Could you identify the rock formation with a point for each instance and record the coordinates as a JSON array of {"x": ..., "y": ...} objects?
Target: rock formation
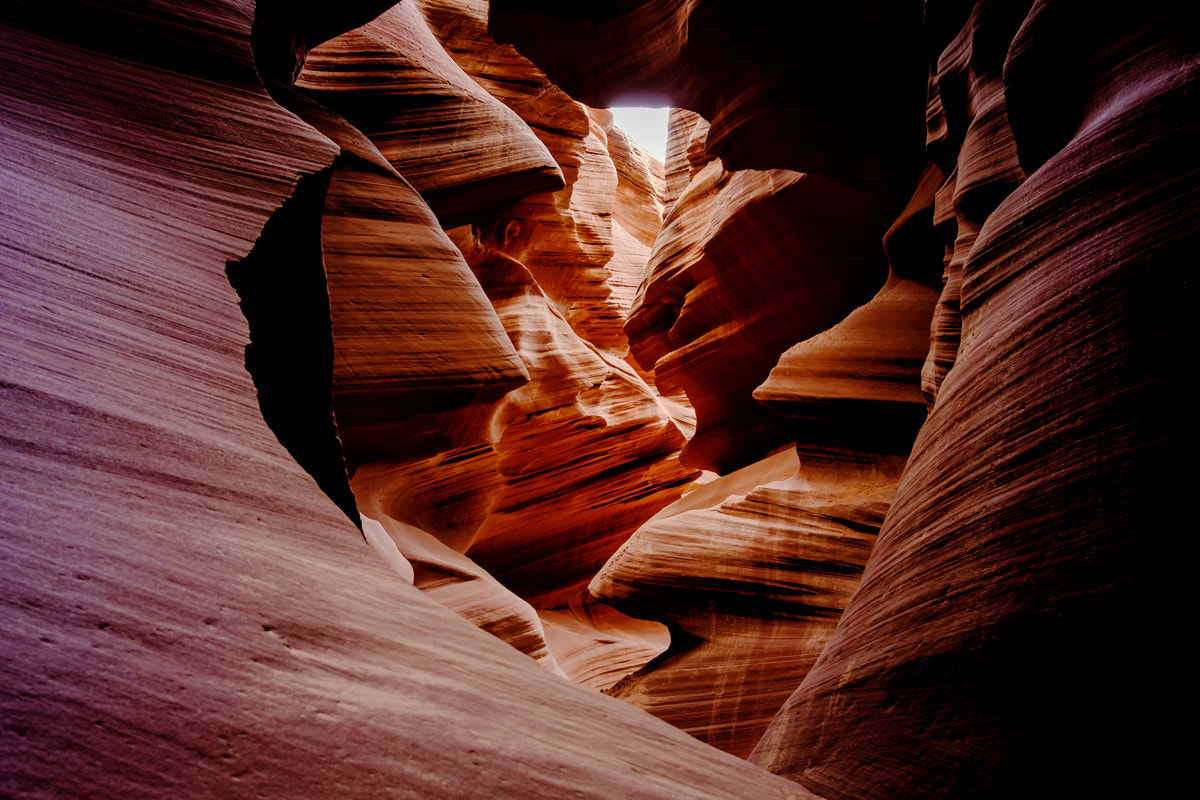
[
  {"x": 186, "y": 613},
  {"x": 750, "y": 574},
  {"x": 536, "y": 490},
  {"x": 971, "y": 658},
  {"x": 747, "y": 264},
  {"x": 364, "y": 390},
  {"x": 1034, "y": 490}
]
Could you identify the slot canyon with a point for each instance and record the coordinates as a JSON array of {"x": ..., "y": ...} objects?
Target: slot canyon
[{"x": 380, "y": 420}]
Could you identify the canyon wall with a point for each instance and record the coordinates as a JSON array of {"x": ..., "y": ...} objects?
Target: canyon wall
[
  {"x": 186, "y": 612},
  {"x": 373, "y": 407},
  {"x": 977, "y": 657}
]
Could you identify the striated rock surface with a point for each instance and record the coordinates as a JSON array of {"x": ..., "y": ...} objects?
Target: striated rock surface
[
  {"x": 872, "y": 356},
  {"x": 968, "y": 136},
  {"x": 867, "y": 367},
  {"x": 585, "y": 247},
  {"x": 978, "y": 651},
  {"x": 750, "y": 573},
  {"x": 747, "y": 264},
  {"x": 571, "y": 494},
  {"x": 186, "y": 614},
  {"x": 464, "y": 151},
  {"x": 976, "y": 659},
  {"x": 282, "y": 277},
  {"x": 495, "y": 504},
  {"x": 412, "y": 329}
]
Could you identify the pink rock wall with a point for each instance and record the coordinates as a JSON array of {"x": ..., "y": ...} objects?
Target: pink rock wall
[
  {"x": 268, "y": 268},
  {"x": 977, "y": 657},
  {"x": 186, "y": 613}
]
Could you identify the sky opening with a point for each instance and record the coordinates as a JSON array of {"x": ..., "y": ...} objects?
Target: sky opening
[{"x": 646, "y": 126}]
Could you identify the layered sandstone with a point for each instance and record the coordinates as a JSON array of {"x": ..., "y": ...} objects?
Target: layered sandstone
[
  {"x": 499, "y": 503},
  {"x": 976, "y": 657},
  {"x": 1033, "y": 490},
  {"x": 187, "y": 614},
  {"x": 747, "y": 264},
  {"x": 750, "y": 574},
  {"x": 277, "y": 270},
  {"x": 585, "y": 247}
]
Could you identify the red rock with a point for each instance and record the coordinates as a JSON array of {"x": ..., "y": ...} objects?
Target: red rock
[
  {"x": 413, "y": 330},
  {"x": 873, "y": 356},
  {"x": 750, "y": 573},
  {"x": 970, "y": 661},
  {"x": 465, "y": 152},
  {"x": 597, "y": 646},
  {"x": 969, "y": 136},
  {"x": 570, "y": 493},
  {"x": 529, "y": 494},
  {"x": 579, "y": 252},
  {"x": 978, "y": 652},
  {"x": 748, "y": 264},
  {"x": 186, "y": 615}
]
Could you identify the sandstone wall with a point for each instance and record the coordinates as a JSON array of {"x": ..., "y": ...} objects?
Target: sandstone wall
[
  {"x": 978, "y": 656},
  {"x": 850, "y": 441},
  {"x": 186, "y": 613}
]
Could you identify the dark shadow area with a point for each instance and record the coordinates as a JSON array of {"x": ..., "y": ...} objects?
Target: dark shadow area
[{"x": 281, "y": 284}]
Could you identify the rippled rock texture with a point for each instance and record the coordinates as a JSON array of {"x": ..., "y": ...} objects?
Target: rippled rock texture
[
  {"x": 504, "y": 506},
  {"x": 750, "y": 573},
  {"x": 747, "y": 264},
  {"x": 977, "y": 656},
  {"x": 187, "y": 614},
  {"x": 852, "y": 441}
]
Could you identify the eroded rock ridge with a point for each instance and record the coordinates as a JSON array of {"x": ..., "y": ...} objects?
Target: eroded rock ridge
[{"x": 373, "y": 406}]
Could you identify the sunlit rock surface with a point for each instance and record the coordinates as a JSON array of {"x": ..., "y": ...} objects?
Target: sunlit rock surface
[
  {"x": 585, "y": 247},
  {"x": 520, "y": 500},
  {"x": 463, "y": 150},
  {"x": 977, "y": 657},
  {"x": 276, "y": 270},
  {"x": 186, "y": 614},
  {"x": 750, "y": 573},
  {"x": 747, "y": 264}
]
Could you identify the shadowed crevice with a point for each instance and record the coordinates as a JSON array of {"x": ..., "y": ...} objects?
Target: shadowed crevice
[{"x": 281, "y": 284}]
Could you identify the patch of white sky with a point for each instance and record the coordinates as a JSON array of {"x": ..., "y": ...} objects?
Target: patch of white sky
[{"x": 646, "y": 126}]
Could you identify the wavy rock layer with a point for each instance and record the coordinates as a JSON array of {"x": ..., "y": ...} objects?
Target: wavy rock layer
[
  {"x": 975, "y": 651},
  {"x": 752, "y": 571},
  {"x": 495, "y": 504},
  {"x": 465, "y": 152},
  {"x": 585, "y": 247},
  {"x": 968, "y": 135},
  {"x": 412, "y": 329},
  {"x": 186, "y": 614},
  {"x": 751, "y": 583},
  {"x": 976, "y": 659},
  {"x": 747, "y": 264}
]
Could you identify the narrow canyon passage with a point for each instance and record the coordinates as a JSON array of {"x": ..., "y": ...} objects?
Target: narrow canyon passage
[
  {"x": 381, "y": 420},
  {"x": 644, "y": 304}
]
